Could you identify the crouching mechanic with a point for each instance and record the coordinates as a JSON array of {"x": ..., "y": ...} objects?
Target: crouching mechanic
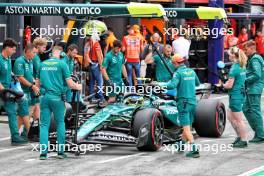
[
  {"x": 113, "y": 67},
  {"x": 52, "y": 77},
  {"x": 9, "y": 48},
  {"x": 184, "y": 80},
  {"x": 23, "y": 69}
]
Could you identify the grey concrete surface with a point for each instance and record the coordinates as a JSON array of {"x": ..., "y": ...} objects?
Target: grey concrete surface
[{"x": 120, "y": 161}]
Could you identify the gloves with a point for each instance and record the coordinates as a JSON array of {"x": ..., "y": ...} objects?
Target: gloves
[
  {"x": 110, "y": 83},
  {"x": 154, "y": 83},
  {"x": 126, "y": 82}
]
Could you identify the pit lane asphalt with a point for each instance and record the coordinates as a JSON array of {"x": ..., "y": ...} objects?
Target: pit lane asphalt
[{"x": 114, "y": 160}]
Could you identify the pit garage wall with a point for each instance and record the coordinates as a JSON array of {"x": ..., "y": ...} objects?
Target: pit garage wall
[{"x": 12, "y": 26}]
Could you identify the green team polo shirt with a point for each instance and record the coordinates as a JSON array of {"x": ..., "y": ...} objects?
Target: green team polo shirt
[
  {"x": 36, "y": 63},
  {"x": 162, "y": 73},
  {"x": 239, "y": 75},
  {"x": 113, "y": 65},
  {"x": 255, "y": 74},
  {"x": 70, "y": 63},
  {"x": 24, "y": 67},
  {"x": 185, "y": 80},
  {"x": 53, "y": 75},
  {"x": 5, "y": 71}
]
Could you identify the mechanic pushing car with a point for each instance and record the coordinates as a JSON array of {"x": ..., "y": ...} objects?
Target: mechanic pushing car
[
  {"x": 184, "y": 80},
  {"x": 113, "y": 67},
  {"x": 254, "y": 87},
  {"x": 162, "y": 73},
  {"x": 52, "y": 77},
  {"x": 236, "y": 92},
  {"x": 23, "y": 69},
  {"x": 40, "y": 44},
  {"x": 72, "y": 52},
  {"x": 9, "y": 48}
]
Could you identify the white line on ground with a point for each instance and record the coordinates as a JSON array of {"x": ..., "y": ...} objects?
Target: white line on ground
[
  {"x": 252, "y": 171},
  {"x": 10, "y": 149},
  {"x": 3, "y": 139},
  {"x": 32, "y": 159},
  {"x": 205, "y": 141},
  {"x": 119, "y": 158}
]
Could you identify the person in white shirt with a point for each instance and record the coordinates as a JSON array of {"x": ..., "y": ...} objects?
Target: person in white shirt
[{"x": 181, "y": 46}]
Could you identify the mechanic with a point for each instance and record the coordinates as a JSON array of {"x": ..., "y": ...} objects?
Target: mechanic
[
  {"x": 254, "y": 87},
  {"x": 185, "y": 80},
  {"x": 9, "y": 48},
  {"x": 162, "y": 73},
  {"x": 23, "y": 69},
  {"x": 40, "y": 44},
  {"x": 52, "y": 77},
  {"x": 156, "y": 40},
  {"x": 113, "y": 67},
  {"x": 236, "y": 92},
  {"x": 72, "y": 52}
]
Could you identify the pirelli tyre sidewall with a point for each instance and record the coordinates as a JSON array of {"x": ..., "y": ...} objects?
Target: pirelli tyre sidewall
[
  {"x": 210, "y": 118},
  {"x": 148, "y": 127}
]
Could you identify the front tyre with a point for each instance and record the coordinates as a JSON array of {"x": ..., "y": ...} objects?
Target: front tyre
[{"x": 148, "y": 127}]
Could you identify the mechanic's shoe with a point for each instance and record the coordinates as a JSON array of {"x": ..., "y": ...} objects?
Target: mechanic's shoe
[
  {"x": 180, "y": 146},
  {"x": 24, "y": 135},
  {"x": 257, "y": 140},
  {"x": 43, "y": 157},
  {"x": 236, "y": 140},
  {"x": 194, "y": 153},
  {"x": 62, "y": 156},
  {"x": 17, "y": 140},
  {"x": 240, "y": 144}
]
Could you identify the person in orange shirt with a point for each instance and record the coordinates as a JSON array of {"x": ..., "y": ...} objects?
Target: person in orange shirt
[
  {"x": 260, "y": 43},
  {"x": 242, "y": 37},
  {"x": 93, "y": 56},
  {"x": 136, "y": 29},
  {"x": 132, "y": 45},
  {"x": 109, "y": 40}
]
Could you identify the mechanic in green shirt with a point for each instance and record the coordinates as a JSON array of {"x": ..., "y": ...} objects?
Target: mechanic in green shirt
[
  {"x": 184, "y": 80},
  {"x": 254, "y": 87},
  {"x": 23, "y": 69},
  {"x": 41, "y": 45},
  {"x": 162, "y": 73},
  {"x": 68, "y": 58},
  {"x": 52, "y": 77},
  {"x": 236, "y": 92},
  {"x": 113, "y": 67},
  {"x": 9, "y": 48}
]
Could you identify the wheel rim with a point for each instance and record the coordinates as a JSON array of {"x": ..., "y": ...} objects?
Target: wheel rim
[
  {"x": 157, "y": 136},
  {"x": 221, "y": 120}
]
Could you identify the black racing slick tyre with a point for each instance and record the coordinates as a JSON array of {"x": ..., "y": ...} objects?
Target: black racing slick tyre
[
  {"x": 210, "y": 118},
  {"x": 148, "y": 127}
]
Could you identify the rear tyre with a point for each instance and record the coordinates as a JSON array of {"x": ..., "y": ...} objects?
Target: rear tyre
[
  {"x": 148, "y": 127},
  {"x": 210, "y": 118}
]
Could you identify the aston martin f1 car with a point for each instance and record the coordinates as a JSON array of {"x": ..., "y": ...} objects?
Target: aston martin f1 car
[{"x": 145, "y": 121}]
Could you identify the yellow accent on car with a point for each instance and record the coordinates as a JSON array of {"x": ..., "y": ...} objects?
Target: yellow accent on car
[
  {"x": 145, "y": 10},
  {"x": 210, "y": 13}
]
